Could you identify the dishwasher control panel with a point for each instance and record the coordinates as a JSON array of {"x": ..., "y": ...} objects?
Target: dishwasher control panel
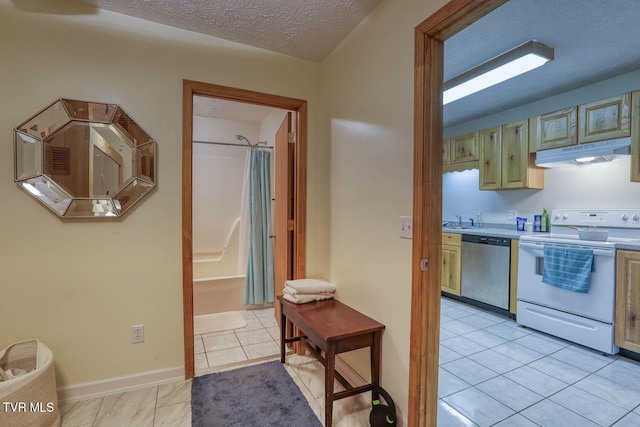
[{"x": 486, "y": 240}]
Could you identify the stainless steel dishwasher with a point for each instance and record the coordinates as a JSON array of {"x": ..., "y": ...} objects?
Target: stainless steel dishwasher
[{"x": 485, "y": 269}]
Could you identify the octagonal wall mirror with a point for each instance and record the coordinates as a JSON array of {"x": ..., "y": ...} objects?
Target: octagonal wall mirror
[{"x": 84, "y": 159}]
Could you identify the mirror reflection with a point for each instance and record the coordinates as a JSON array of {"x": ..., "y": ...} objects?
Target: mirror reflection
[{"x": 84, "y": 159}]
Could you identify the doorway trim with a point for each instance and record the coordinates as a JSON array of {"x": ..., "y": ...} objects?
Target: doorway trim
[
  {"x": 189, "y": 89},
  {"x": 427, "y": 200}
]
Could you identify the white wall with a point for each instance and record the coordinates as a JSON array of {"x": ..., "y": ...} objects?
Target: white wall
[
  {"x": 79, "y": 286},
  {"x": 590, "y": 186},
  {"x": 601, "y": 185},
  {"x": 367, "y": 100}
]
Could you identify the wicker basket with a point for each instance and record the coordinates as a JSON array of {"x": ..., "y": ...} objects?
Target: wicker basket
[{"x": 31, "y": 399}]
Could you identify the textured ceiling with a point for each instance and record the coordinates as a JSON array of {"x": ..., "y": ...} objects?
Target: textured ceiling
[
  {"x": 221, "y": 109},
  {"x": 306, "y": 29},
  {"x": 593, "y": 40}
]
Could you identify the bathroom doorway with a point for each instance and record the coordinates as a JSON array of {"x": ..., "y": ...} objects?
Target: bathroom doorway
[{"x": 289, "y": 191}]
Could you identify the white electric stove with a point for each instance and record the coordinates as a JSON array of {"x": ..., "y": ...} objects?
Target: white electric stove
[{"x": 583, "y": 318}]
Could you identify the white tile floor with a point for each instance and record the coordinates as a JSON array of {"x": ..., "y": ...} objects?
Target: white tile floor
[
  {"x": 259, "y": 338},
  {"x": 496, "y": 373},
  {"x": 492, "y": 373}
]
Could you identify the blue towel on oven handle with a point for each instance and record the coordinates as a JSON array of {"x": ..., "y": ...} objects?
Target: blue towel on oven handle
[{"x": 568, "y": 268}]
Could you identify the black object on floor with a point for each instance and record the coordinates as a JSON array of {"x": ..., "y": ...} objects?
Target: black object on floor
[{"x": 383, "y": 415}]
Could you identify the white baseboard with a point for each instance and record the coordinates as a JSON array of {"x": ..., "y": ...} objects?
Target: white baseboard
[{"x": 77, "y": 392}]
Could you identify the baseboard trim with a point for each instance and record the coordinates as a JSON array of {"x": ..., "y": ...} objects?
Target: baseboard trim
[{"x": 77, "y": 392}]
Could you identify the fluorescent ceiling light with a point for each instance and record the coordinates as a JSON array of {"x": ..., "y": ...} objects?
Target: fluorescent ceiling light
[{"x": 517, "y": 61}]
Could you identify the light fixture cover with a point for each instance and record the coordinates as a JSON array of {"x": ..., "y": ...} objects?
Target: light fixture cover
[{"x": 519, "y": 60}]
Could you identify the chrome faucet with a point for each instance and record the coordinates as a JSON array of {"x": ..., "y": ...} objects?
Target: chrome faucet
[
  {"x": 471, "y": 219},
  {"x": 459, "y": 220}
]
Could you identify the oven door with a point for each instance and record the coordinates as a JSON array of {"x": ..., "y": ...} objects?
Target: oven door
[{"x": 597, "y": 304}]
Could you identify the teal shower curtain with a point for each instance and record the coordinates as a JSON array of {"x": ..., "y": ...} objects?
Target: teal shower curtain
[{"x": 259, "y": 287}]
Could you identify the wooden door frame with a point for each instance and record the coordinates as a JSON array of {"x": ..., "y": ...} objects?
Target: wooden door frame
[
  {"x": 427, "y": 200},
  {"x": 189, "y": 89}
]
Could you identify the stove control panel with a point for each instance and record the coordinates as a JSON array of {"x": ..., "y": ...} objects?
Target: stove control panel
[{"x": 617, "y": 218}]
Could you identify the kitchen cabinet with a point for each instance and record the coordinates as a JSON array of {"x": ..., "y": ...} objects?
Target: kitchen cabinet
[
  {"x": 451, "y": 256},
  {"x": 627, "y": 322},
  {"x": 604, "y": 119},
  {"x": 490, "y": 158},
  {"x": 557, "y": 129},
  {"x": 462, "y": 152},
  {"x": 505, "y": 162},
  {"x": 445, "y": 153}
]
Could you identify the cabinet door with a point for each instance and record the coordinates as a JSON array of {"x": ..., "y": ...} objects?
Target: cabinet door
[
  {"x": 451, "y": 269},
  {"x": 515, "y": 154},
  {"x": 604, "y": 119},
  {"x": 464, "y": 148},
  {"x": 557, "y": 129},
  {"x": 627, "y": 326},
  {"x": 446, "y": 153},
  {"x": 490, "y": 158}
]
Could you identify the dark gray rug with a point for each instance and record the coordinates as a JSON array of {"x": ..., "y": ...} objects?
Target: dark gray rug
[{"x": 253, "y": 396}]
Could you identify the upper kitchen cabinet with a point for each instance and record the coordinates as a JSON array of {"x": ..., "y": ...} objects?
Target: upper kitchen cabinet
[
  {"x": 490, "y": 159},
  {"x": 556, "y": 129},
  {"x": 604, "y": 119},
  {"x": 505, "y": 162},
  {"x": 463, "y": 152}
]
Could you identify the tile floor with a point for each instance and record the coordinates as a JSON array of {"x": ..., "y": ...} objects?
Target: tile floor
[
  {"x": 260, "y": 338},
  {"x": 496, "y": 373},
  {"x": 492, "y": 373}
]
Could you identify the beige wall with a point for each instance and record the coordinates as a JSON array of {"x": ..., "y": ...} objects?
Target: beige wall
[
  {"x": 367, "y": 99},
  {"x": 79, "y": 286}
]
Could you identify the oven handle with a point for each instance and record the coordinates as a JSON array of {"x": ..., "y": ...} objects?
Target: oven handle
[{"x": 598, "y": 252}]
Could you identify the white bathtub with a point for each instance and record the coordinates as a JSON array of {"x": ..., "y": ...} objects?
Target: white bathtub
[{"x": 219, "y": 294}]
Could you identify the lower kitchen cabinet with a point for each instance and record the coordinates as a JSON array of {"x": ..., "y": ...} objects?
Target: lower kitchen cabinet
[
  {"x": 451, "y": 255},
  {"x": 627, "y": 326}
]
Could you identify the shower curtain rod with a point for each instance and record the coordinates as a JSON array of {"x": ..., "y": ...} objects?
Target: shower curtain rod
[{"x": 258, "y": 145}]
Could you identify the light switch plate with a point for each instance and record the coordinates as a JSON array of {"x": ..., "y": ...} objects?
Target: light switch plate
[
  {"x": 406, "y": 227},
  {"x": 512, "y": 214}
]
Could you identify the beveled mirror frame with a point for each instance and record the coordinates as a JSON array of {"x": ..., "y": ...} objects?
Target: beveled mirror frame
[{"x": 84, "y": 159}]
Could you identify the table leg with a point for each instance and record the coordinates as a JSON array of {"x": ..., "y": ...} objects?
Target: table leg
[
  {"x": 375, "y": 362},
  {"x": 329, "y": 376},
  {"x": 283, "y": 326}
]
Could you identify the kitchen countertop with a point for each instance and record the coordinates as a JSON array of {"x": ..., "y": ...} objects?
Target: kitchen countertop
[
  {"x": 631, "y": 246},
  {"x": 491, "y": 230}
]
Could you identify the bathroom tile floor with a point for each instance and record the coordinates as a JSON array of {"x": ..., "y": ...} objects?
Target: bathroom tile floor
[
  {"x": 492, "y": 373},
  {"x": 259, "y": 338}
]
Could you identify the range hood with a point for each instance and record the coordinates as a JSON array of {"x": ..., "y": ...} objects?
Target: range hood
[{"x": 594, "y": 152}]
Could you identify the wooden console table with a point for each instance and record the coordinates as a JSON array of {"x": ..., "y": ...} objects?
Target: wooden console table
[{"x": 332, "y": 327}]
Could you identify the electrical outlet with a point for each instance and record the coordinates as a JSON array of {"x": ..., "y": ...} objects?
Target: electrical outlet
[
  {"x": 137, "y": 334},
  {"x": 512, "y": 214},
  {"x": 406, "y": 227}
]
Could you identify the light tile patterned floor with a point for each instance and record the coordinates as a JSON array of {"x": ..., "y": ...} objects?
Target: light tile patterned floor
[
  {"x": 492, "y": 373},
  {"x": 496, "y": 373},
  {"x": 259, "y": 338}
]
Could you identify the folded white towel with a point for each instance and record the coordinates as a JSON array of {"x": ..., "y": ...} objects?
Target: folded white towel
[
  {"x": 309, "y": 286},
  {"x": 304, "y": 298}
]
